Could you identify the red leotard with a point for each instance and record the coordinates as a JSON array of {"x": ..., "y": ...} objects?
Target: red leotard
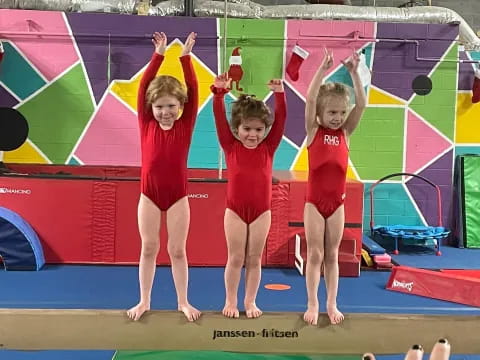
[
  {"x": 164, "y": 152},
  {"x": 327, "y": 170},
  {"x": 249, "y": 189}
]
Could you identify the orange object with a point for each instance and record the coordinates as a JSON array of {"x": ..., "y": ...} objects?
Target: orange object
[{"x": 278, "y": 287}]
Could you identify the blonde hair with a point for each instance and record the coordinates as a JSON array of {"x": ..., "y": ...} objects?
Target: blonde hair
[
  {"x": 331, "y": 89},
  {"x": 165, "y": 85},
  {"x": 247, "y": 106}
]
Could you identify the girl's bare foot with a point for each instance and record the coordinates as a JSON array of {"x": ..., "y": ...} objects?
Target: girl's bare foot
[
  {"x": 252, "y": 311},
  {"x": 136, "y": 312},
  {"x": 190, "y": 312},
  {"x": 230, "y": 311},
  {"x": 336, "y": 317},
  {"x": 311, "y": 315}
]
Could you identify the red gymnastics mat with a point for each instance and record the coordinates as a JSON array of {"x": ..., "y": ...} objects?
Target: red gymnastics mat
[{"x": 88, "y": 214}]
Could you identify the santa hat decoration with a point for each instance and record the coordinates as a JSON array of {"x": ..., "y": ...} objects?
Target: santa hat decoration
[
  {"x": 296, "y": 60},
  {"x": 236, "y": 58},
  {"x": 476, "y": 86}
]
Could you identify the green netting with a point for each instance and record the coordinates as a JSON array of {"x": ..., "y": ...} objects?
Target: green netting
[
  {"x": 471, "y": 178},
  {"x": 220, "y": 355}
]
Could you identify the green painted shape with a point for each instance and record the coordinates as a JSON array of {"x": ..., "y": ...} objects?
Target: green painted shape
[
  {"x": 392, "y": 206},
  {"x": 262, "y": 52},
  {"x": 438, "y": 107},
  {"x": 284, "y": 156},
  {"x": 219, "y": 355},
  {"x": 17, "y": 74},
  {"x": 376, "y": 146},
  {"x": 58, "y": 115}
]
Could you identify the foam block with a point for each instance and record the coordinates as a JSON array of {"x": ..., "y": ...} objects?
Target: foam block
[
  {"x": 435, "y": 284},
  {"x": 371, "y": 246},
  {"x": 384, "y": 258}
]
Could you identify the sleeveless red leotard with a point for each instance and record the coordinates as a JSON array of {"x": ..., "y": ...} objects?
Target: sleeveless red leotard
[{"x": 327, "y": 170}]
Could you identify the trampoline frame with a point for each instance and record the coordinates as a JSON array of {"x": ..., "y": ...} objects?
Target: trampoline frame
[{"x": 400, "y": 232}]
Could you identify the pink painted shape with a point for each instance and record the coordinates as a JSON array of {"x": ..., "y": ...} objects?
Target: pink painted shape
[
  {"x": 304, "y": 32},
  {"x": 423, "y": 143},
  {"x": 112, "y": 137},
  {"x": 51, "y": 55}
]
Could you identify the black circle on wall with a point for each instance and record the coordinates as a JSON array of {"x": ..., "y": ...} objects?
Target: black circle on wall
[
  {"x": 422, "y": 85},
  {"x": 13, "y": 129}
]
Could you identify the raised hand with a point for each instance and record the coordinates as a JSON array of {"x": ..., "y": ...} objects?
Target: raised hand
[
  {"x": 187, "y": 47},
  {"x": 222, "y": 81},
  {"x": 159, "y": 40},
  {"x": 276, "y": 85},
  {"x": 327, "y": 62},
  {"x": 352, "y": 62}
]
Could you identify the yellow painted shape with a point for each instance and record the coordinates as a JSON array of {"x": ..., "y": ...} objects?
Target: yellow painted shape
[
  {"x": 377, "y": 97},
  {"x": 351, "y": 173},
  {"x": 302, "y": 161},
  {"x": 25, "y": 154},
  {"x": 468, "y": 119},
  {"x": 127, "y": 89}
]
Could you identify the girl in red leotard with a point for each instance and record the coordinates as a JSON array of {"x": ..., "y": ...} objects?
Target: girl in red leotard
[
  {"x": 329, "y": 126},
  {"x": 249, "y": 155},
  {"x": 165, "y": 140}
]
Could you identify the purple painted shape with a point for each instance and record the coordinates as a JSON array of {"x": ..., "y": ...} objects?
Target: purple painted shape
[
  {"x": 395, "y": 65},
  {"x": 6, "y": 99},
  {"x": 130, "y": 42},
  {"x": 294, "y": 127},
  {"x": 440, "y": 173},
  {"x": 465, "y": 73},
  {"x": 442, "y": 31}
]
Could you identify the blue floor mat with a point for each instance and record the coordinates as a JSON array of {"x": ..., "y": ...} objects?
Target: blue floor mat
[
  {"x": 451, "y": 258},
  {"x": 116, "y": 287}
]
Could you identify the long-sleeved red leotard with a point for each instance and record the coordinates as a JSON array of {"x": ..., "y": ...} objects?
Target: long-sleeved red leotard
[
  {"x": 249, "y": 189},
  {"x": 165, "y": 152}
]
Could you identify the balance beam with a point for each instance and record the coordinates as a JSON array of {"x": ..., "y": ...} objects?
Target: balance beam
[{"x": 282, "y": 333}]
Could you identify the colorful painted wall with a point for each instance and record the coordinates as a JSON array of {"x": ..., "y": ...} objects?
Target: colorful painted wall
[{"x": 76, "y": 84}]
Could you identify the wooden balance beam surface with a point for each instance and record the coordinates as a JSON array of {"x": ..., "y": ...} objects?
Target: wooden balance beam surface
[{"x": 286, "y": 333}]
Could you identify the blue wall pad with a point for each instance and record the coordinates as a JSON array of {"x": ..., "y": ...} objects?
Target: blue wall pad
[{"x": 20, "y": 248}]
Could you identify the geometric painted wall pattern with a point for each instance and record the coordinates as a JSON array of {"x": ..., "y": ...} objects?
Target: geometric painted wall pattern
[{"x": 79, "y": 94}]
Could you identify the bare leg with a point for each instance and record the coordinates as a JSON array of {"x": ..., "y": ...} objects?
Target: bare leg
[
  {"x": 333, "y": 237},
  {"x": 178, "y": 222},
  {"x": 257, "y": 235},
  {"x": 236, "y": 234},
  {"x": 314, "y": 232},
  {"x": 149, "y": 218}
]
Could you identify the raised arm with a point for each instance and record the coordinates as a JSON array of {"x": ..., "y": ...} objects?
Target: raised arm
[
  {"x": 190, "y": 108},
  {"x": 160, "y": 42},
  {"x": 224, "y": 132},
  {"x": 1, "y": 51},
  {"x": 360, "y": 97},
  {"x": 312, "y": 93},
  {"x": 275, "y": 135}
]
